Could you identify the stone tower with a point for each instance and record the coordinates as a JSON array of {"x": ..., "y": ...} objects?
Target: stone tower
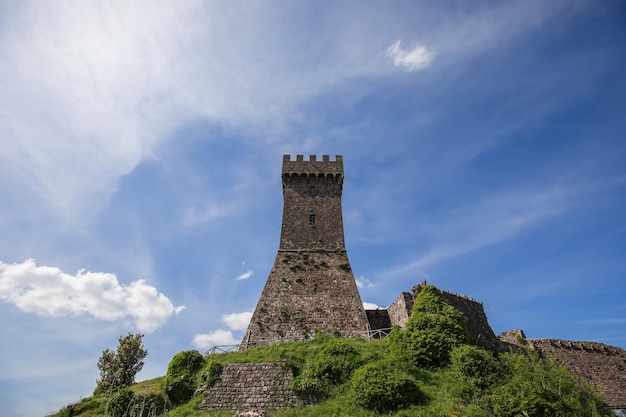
[{"x": 311, "y": 286}]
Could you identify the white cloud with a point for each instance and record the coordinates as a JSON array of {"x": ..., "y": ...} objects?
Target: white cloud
[
  {"x": 412, "y": 60},
  {"x": 245, "y": 275},
  {"x": 370, "y": 306},
  {"x": 237, "y": 321},
  {"x": 363, "y": 282},
  {"x": 216, "y": 338},
  {"x": 49, "y": 292}
]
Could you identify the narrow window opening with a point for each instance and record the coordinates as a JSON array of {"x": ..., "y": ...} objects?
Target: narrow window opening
[
  {"x": 312, "y": 218},
  {"x": 312, "y": 190}
]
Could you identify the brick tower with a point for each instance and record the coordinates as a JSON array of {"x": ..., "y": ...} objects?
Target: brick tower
[{"x": 311, "y": 286}]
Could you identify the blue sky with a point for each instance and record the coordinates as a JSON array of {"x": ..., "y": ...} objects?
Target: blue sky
[{"x": 141, "y": 145}]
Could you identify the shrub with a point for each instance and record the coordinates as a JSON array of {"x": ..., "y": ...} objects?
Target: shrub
[
  {"x": 537, "y": 386},
  {"x": 477, "y": 365},
  {"x": 380, "y": 387},
  {"x": 180, "y": 380},
  {"x": 333, "y": 364},
  {"x": 433, "y": 330},
  {"x": 212, "y": 372},
  {"x": 120, "y": 403}
]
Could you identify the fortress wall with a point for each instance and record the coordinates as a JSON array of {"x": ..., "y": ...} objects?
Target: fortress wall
[
  {"x": 248, "y": 386},
  {"x": 601, "y": 365},
  {"x": 478, "y": 329},
  {"x": 400, "y": 310}
]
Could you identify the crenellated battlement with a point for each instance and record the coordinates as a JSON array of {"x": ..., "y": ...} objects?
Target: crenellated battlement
[{"x": 313, "y": 167}]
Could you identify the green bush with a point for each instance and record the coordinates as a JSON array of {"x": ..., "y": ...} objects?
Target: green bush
[
  {"x": 331, "y": 365},
  {"x": 120, "y": 403},
  {"x": 211, "y": 372},
  {"x": 433, "y": 330},
  {"x": 539, "y": 387},
  {"x": 125, "y": 403},
  {"x": 380, "y": 387},
  {"x": 180, "y": 380},
  {"x": 478, "y": 366}
]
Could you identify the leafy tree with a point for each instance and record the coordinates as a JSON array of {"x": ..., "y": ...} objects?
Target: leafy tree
[
  {"x": 433, "y": 330},
  {"x": 118, "y": 369}
]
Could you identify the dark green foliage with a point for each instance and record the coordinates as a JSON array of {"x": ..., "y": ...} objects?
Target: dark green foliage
[
  {"x": 118, "y": 369},
  {"x": 211, "y": 372},
  {"x": 332, "y": 365},
  {"x": 537, "y": 387},
  {"x": 478, "y": 366},
  {"x": 180, "y": 380},
  {"x": 120, "y": 403},
  {"x": 381, "y": 387},
  {"x": 433, "y": 330},
  {"x": 126, "y": 403}
]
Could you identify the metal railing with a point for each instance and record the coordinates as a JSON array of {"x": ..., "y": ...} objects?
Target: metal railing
[{"x": 368, "y": 334}]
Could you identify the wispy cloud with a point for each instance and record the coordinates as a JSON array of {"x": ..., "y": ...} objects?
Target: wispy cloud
[
  {"x": 245, "y": 275},
  {"x": 205, "y": 213},
  {"x": 488, "y": 221},
  {"x": 49, "y": 292},
  {"x": 414, "y": 59}
]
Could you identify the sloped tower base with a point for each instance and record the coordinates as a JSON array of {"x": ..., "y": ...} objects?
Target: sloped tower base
[{"x": 307, "y": 292}]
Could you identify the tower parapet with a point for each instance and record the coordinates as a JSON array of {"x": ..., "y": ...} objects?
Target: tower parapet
[{"x": 313, "y": 167}]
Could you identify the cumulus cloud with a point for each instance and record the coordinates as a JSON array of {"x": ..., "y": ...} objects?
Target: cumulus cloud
[
  {"x": 412, "y": 60},
  {"x": 49, "y": 292},
  {"x": 237, "y": 321},
  {"x": 216, "y": 338},
  {"x": 245, "y": 275},
  {"x": 370, "y": 306}
]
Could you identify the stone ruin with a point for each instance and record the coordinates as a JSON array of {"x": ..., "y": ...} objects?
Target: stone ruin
[{"x": 311, "y": 288}]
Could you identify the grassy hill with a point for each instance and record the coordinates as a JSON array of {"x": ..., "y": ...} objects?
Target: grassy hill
[{"x": 425, "y": 370}]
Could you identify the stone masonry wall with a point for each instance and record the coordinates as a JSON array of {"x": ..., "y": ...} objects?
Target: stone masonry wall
[
  {"x": 312, "y": 216},
  {"x": 400, "y": 310},
  {"x": 247, "y": 386},
  {"x": 601, "y": 365},
  {"x": 378, "y": 319},
  {"x": 307, "y": 291}
]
